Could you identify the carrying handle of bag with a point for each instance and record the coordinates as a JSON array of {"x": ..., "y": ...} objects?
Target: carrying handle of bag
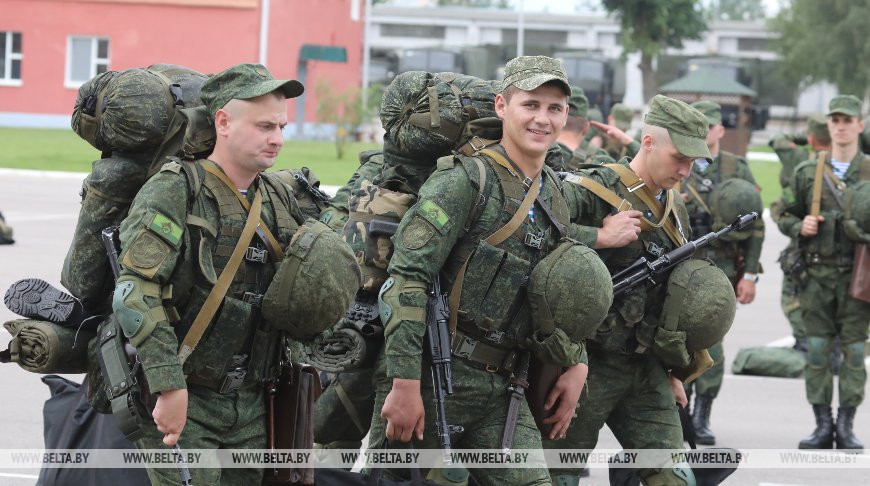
[
  {"x": 217, "y": 293},
  {"x": 374, "y": 477}
]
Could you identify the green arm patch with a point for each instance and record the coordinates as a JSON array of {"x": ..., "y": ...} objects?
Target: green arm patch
[
  {"x": 434, "y": 214},
  {"x": 164, "y": 227}
]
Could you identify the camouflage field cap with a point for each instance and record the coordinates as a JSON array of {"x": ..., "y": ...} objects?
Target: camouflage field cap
[
  {"x": 242, "y": 82},
  {"x": 622, "y": 116},
  {"x": 578, "y": 103},
  {"x": 711, "y": 110},
  {"x": 848, "y": 105},
  {"x": 687, "y": 127},
  {"x": 529, "y": 72},
  {"x": 595, "y": 115},
  {"x": 817, "y": 126}
]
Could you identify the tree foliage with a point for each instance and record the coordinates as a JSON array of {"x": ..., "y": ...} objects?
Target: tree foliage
[
  {"x": 650, "y": 26},
  {"x": 735, "y": 10},
  {"x": 825, "y": 41}
]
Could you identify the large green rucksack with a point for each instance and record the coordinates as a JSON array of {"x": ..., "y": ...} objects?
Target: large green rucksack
[{"x": 424, "y": 114}]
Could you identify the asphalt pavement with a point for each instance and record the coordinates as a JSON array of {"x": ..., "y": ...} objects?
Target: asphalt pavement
[{"x": 750, "y": 413}]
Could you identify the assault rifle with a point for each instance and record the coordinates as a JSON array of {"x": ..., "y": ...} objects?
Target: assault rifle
[
  {"x": 127, "y": 407},
  {"x": 654, "y": 272},
  {"x": 438, "y": 341},
  {"x": 315, "y": 192}
]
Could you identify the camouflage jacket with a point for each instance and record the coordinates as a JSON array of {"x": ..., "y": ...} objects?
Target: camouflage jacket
[
  {"x": 635, "y": 315},
  {"x": 185, "y": 259},
  {"x": 791, "y": 151},
  {"x": 335, "y": 215},
  {"x": 432, "y": 238},
  {"x": 830, "y": 251},
  {"x": 723, "y": 254}
]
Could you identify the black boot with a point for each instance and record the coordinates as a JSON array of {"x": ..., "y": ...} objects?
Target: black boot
[
  {"x": 845, "y": 437},
  {"x": 701, "y": 420},
  {"x": 37, "y": 299},
  {"x": 823, "y": 436}
]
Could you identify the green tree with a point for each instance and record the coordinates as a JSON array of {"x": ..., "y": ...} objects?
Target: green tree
[
  {"x": 341, "y": 108},
  {"x": 650, "y": 26},
  {"x": 825, "y": 41},
  {"x": 735, "y": 10}
]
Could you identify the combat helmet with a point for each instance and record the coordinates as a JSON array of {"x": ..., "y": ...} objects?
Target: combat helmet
[
  {"x": 569, "y": 293},
  {"x": 856, "y": 212},
  {"x": 698, "y": 309},
  {"x": 315, "y": 283},
  {"x": 733, "y": 198}
]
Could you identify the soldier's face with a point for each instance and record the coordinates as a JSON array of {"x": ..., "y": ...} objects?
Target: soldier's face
[
  {"x": 844, "y": 129},
  {"x": 532, "y": 119},
  {"x": 665, "y": 164},
  {"x": 253, "y": 131}
]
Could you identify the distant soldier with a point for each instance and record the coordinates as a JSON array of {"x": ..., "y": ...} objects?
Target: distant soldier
[
  {"x": 713, "y": 197},
  {"x": 814, "y": 215},
  {"x": 630, "y": 386},
  {"x": 792, "y": 150},
  {"x": 570, "y": 140},
  {"x": 5, "y": 232}
]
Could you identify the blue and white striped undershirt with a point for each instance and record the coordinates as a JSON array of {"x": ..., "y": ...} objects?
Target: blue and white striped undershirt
[{"x": 840, "y": 168}]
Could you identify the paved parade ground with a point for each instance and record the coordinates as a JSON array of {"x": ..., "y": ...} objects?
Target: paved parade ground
[{"x": 750, "y": 413}]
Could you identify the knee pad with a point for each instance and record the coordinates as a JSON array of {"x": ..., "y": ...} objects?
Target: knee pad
[
  {"x": 452, "y": 476},
  {"x": 853, "y": 354},
  {"x": 566, "y": 479},
  {"x": 819, "y": 351}
]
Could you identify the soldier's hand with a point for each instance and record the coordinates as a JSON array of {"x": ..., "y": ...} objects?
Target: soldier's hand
[
  {"x": 679, "y": 391},
  {"x": 403, "y": 410},
  {"x": 745, "y": 291},
  {"x": 810, "y": 225},
  {"x": 170, "y": 414},
  {"x": 612, "y": 132},
  {"x": 619, "y": 229},
  {"x": 566, "y": 392}
]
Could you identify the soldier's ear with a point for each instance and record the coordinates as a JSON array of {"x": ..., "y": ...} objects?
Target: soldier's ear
[{"x": 221, "y": 121}]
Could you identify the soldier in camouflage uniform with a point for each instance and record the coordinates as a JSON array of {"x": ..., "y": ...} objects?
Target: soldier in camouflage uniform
[
  {"x": 630, "y": 388},
  {"x": 615, "y": 139},
  {"x": 828, "y": 309},
  {"x": 5, "y": 232},
  {"x": 493, "y": 322},
  {"x": 178, "y": 239},
  {"x": 572, "y": 135},
  {"x": 738, "y": 259},
  {"x": 792, "y": 150}
]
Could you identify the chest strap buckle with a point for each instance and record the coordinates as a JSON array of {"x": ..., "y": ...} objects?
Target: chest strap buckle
[{"x": 256, "y": 255}]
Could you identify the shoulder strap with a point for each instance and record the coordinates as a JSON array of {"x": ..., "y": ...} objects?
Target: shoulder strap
[
  {"x": 262, "y": 230},
  {"x": 216, "y": 295},
  {"x": 636, "y": 185},
  {"x": 695, "y": 194},
  {"x": 821, "y": 161},
  {"x": 727, "y": 164},
  {"x": 864, "y": 174}
]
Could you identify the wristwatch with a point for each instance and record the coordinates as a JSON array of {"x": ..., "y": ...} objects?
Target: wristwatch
[{"x": 753, "y": 277}]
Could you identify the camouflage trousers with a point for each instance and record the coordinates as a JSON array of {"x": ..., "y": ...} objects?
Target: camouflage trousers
[
  {"x": 829, "y": 312},
  {"x": 789, "y": 301},
  {"x": 710, "y": 382},
  {"x": 215, "y": 421},
  {"x": 479, "y": 404},
  {"x": 632, "y": 395}
]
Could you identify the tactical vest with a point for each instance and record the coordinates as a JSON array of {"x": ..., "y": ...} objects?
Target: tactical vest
[
  {"x": 237, "y": 337},
  {"x": 632, "y": 321},
  {"x": 830, "y": 246},
  {"x": 492, "y": 306}
]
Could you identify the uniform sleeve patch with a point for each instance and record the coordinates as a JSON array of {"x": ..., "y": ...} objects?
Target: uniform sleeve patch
[
  {"x": 164, "y": 227},
  {"x": 418, "y": 232},
  {"x": 146, "y": 254},
  {"x": 434, "y": 214}
]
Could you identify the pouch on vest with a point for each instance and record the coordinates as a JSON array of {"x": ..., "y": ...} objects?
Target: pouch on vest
[
  {"x": 489, "y": 298},
  {"x": 375, "y": 213}
]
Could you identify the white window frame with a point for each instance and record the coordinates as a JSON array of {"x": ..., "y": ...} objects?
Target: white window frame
[
  {"x": 12, "y": 56},
  {"x": 69, "y": 83}
]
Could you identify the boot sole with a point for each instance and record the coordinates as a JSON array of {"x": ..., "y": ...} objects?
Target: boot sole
[{"x": 37, "y": 299}]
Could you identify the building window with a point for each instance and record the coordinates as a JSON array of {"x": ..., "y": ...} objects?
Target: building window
[
  {"x": 406, "y": 30},
  {"x": 754, "y": 44},
  {"x": 10, "y": 58},
  {"x": 85, "y": 58}
]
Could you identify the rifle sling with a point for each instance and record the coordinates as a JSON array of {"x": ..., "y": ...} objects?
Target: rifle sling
[
  {"x": 816, "y": 205},
  {"x": 835, "y": 185},
  {"x": 217, "y": 293},
  {"x": 262, "y": 231}
]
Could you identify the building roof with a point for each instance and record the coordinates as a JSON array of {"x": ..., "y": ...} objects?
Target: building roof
[{"x": 708, "y": 82}]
